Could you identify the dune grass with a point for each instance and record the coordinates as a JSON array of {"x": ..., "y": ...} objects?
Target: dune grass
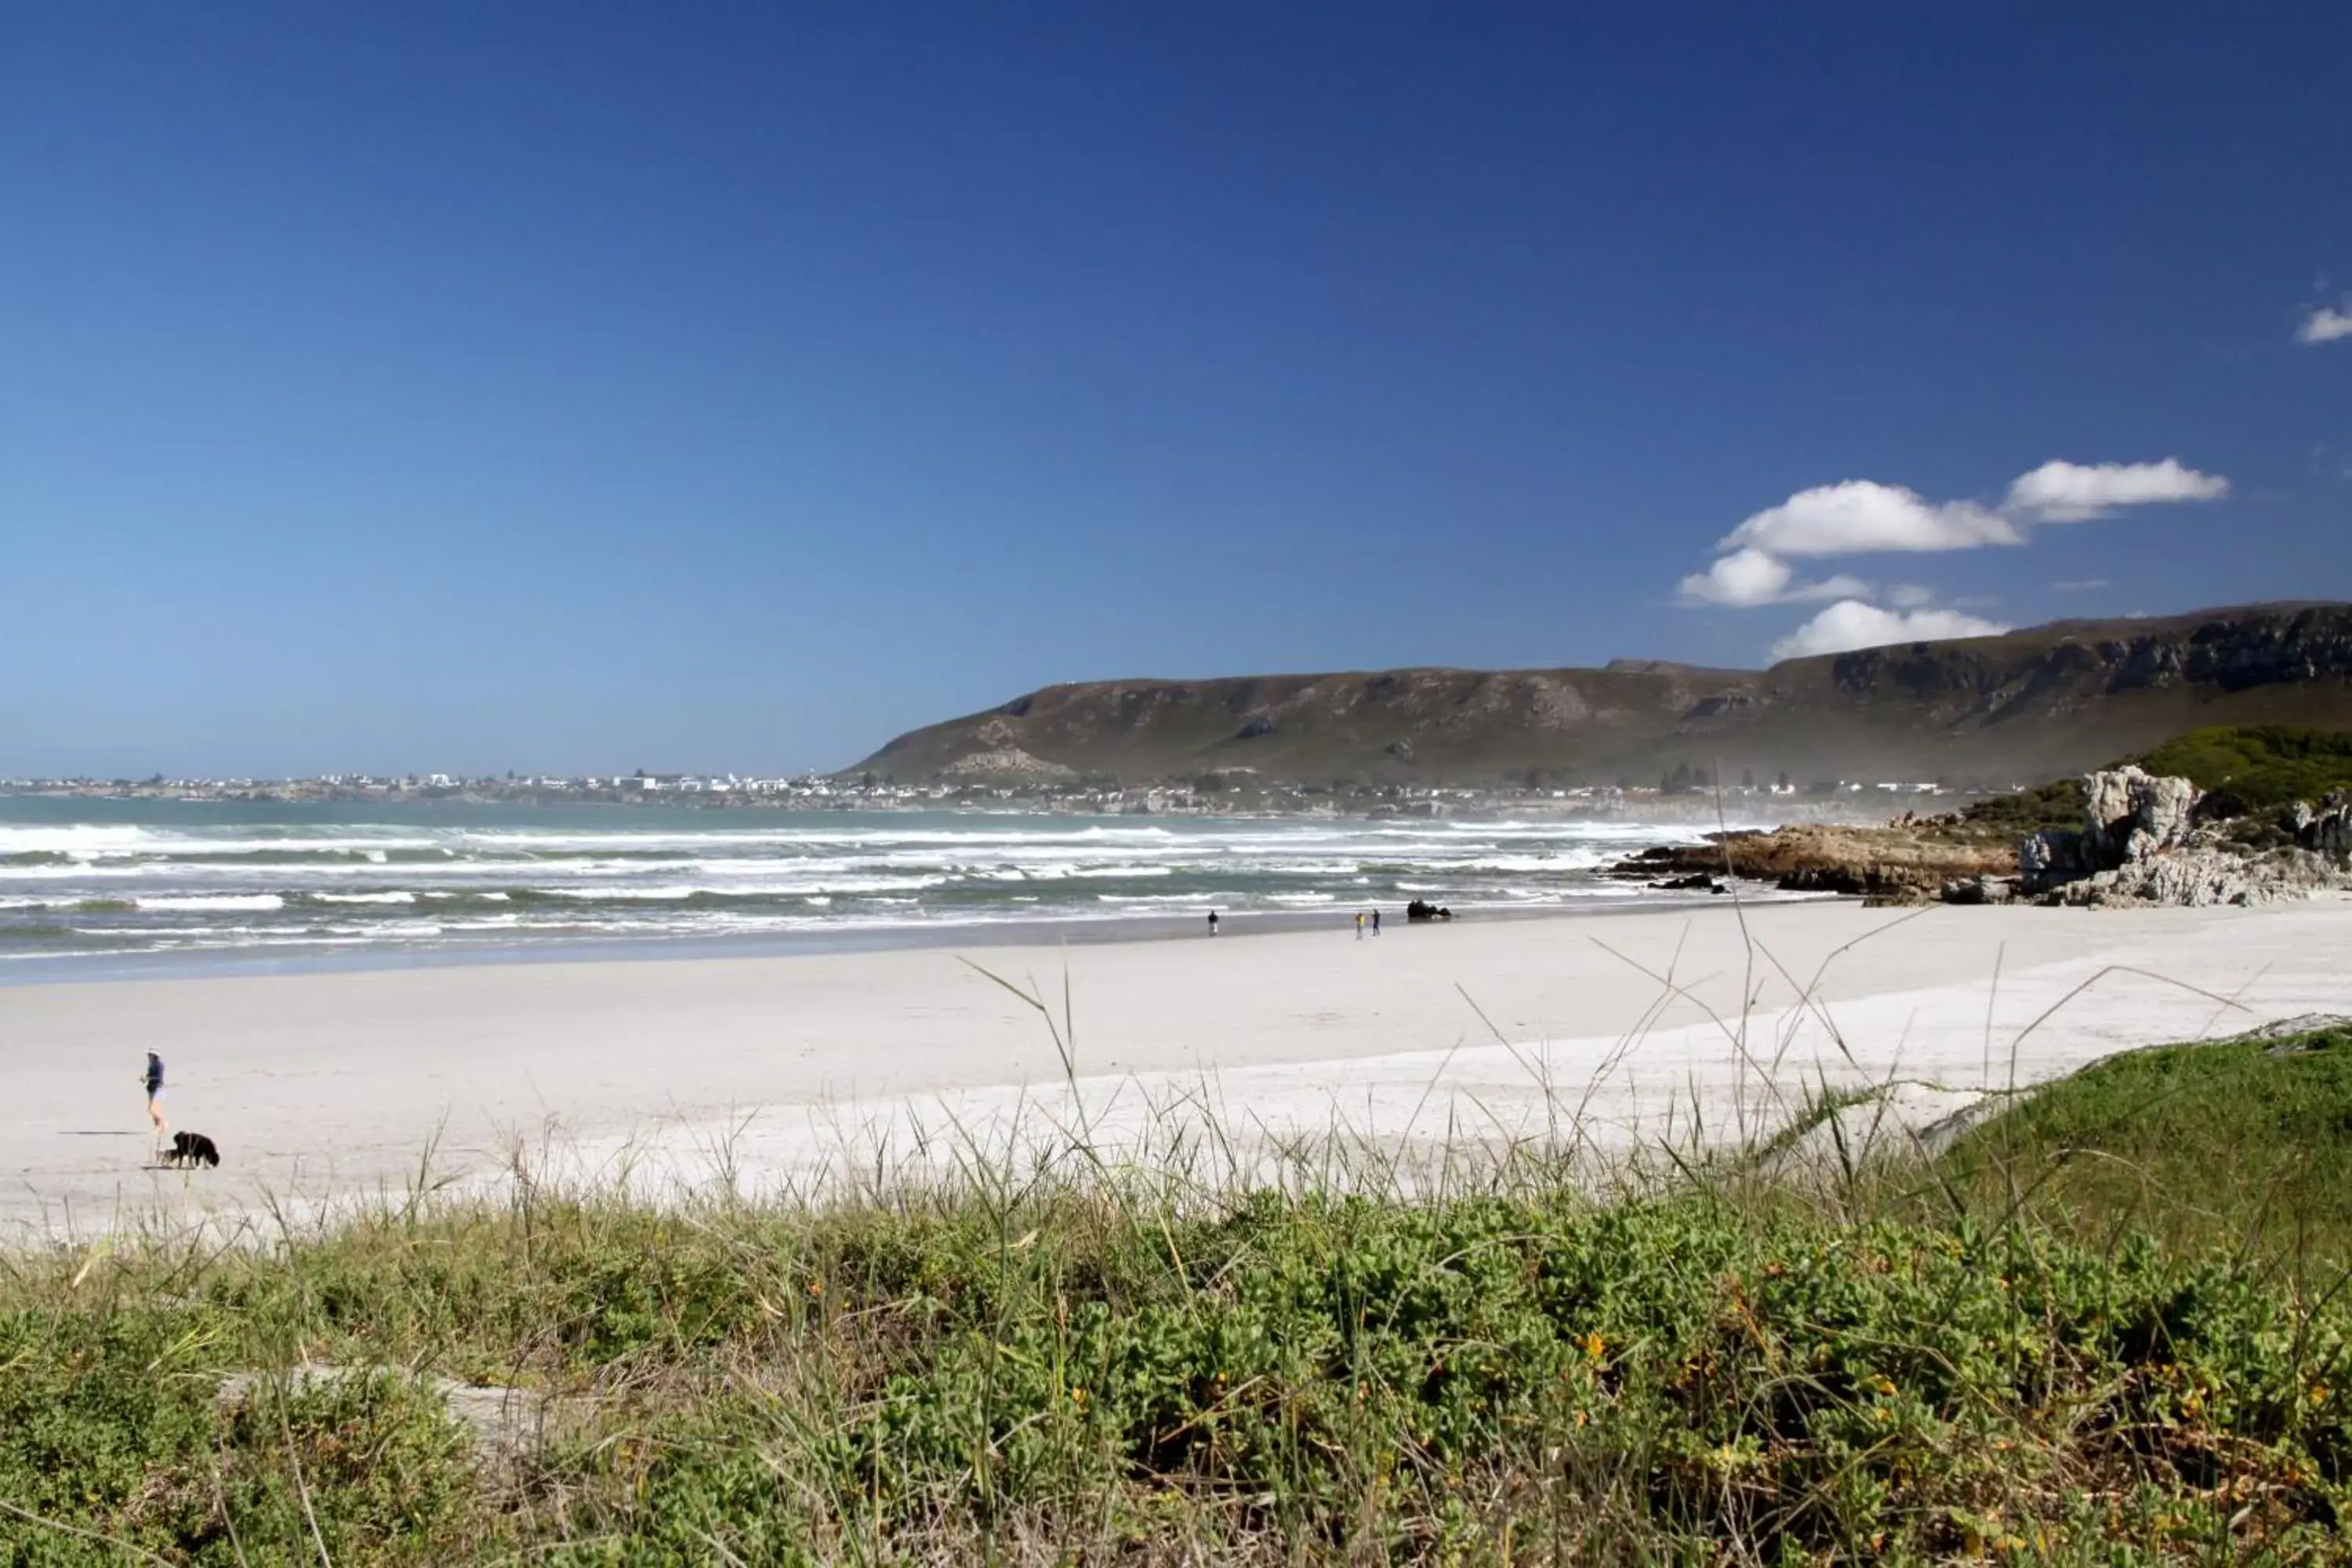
[
  {"x": 2240, "y": 1147},
  {"x": 2108, "y": 1325}
]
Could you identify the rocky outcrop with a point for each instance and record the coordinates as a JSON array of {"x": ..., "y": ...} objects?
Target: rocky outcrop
[
  {"x": 2128, "y": 816},
  {"x": 1891, "y": 865},
  {"x": 2196, "y": 877},
  {"x": 2325, "y": 829},
  {"x": 1985, "y": 890},
  {"x": 2128, "y": 812},
  {"x": 2141, "y": 843}
]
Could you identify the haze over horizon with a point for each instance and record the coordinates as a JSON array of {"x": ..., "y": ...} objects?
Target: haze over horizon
[{"x": 572, "y": 389}]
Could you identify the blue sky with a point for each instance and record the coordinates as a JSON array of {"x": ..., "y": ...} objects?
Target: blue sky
[{"x": 594, "y": 386}]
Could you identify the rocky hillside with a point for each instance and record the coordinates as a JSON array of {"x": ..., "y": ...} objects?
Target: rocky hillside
[{"x": 2048, "y": 699}]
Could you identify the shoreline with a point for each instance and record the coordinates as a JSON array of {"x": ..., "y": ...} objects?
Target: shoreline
[
  {"x": 234, "y": 963},
  {"x": 330, "y": 1083}
]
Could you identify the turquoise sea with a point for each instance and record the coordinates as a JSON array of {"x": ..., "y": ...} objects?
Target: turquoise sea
[{"x": 93, "y": 886}]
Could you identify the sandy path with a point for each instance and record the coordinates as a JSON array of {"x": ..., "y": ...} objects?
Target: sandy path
[{"x": 328, "y": 1082}]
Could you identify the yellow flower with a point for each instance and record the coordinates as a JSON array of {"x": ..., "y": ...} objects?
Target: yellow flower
[{"x": 1594, "y": 1344}]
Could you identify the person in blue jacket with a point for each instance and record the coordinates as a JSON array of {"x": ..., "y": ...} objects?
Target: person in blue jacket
[{"x": 153, "y": 1079}]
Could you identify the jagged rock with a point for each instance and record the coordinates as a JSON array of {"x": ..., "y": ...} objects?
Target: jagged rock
[
  {"x": 2325, "y": 829},
  {"x": 1980, "y": 890},
  {"x": 2193, "y": 878},
  {"x": 2128, "y": 816},
  {"x": 1422, "y": 910},
  {"x": 1696, "y": 882},
  {"x": 2141, "y": 844},
  {"x": 2046, "y": 859}
]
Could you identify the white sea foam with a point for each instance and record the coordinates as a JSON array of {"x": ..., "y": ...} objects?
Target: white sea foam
[
  {"x": 189, "y": 883},
  {"x": 211, "y": 901},
  {"x": 78, "y": 838}
]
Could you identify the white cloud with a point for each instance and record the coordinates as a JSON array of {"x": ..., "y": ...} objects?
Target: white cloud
[
  {"x": 2080, "y": 585},
  {"x": 2323, "y": 326},
  {"x": 1755, "y": 563},
  {"x": 1749, "y": 577},
  {"x": 2060, "y": 491},
  {"x": 1862, "y": 516},
  {"x": 1851, "y": 624}
]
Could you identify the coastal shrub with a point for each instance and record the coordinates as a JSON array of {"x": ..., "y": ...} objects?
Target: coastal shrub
[
  {"x": 114, "y": 1443},
  {"x": 1365, "y": 1376},
  {"x": 2049, "y": 808},
  {"x": 2107, "y": 1325},
  {"x": 2258, "y": 767},
  {"x": 2243, "y": 769}
]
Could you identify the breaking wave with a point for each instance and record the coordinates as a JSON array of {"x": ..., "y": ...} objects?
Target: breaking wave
[{"x": 177, "y": 877}]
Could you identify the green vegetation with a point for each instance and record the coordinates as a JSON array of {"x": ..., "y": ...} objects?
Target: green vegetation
[
  {"x": 2258, "y": 767},
  {"x": 2244, "y": 769},
  {"x": 2106, "y": 1326},
  {"x": 2043, "y": 808},
  {"x": 2243, "y": 1148}
]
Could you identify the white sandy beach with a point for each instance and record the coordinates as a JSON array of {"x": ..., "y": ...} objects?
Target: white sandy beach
[{"x": 324, "y": 1083}]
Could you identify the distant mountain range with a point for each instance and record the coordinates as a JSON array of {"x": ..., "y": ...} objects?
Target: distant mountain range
[{"x": 2025, "y": 706}]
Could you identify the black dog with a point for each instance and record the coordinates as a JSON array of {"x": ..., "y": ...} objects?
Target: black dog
[{"x": 192, "y": 1149}]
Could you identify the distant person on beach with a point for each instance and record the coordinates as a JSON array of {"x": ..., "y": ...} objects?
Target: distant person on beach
[
  {"x": 153, "y": 1079},
  {"x": 1376, "y": 923},
  {"x": 1213, "y": 923},
  {"x": 1359, "y": 925}
]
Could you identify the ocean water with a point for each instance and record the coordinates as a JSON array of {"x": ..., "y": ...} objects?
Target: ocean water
[{"x": 90, "y": 884}]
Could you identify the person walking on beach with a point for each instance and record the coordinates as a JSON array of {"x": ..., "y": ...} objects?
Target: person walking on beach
[
  {"x": 154, "y": 1080},
  {"x": 1213, "y": 923},
  {"x": 1376, "y": 923},
  {"x": 1359, "y": 925}
]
